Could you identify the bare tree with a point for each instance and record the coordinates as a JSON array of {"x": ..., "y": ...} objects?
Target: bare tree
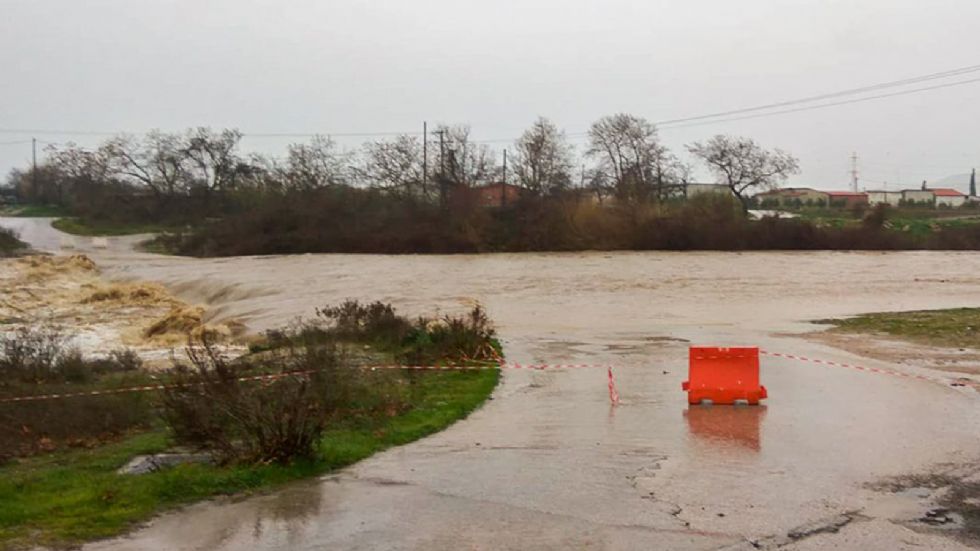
[
  {"x": 214, "y": 158},
  {"x": 71, "y": 169},
  {"x": 159, "y": 162},
  {"x": 743, "y": 165},
  {"x": 630, "y": 155},
  {"x": 597, "y": 182},
  {"x": 396, "y": 165},
  {"x": 466, "y": 163},
  {"x": 543, "y": 158},
  {"x": 316, "y": 165}
]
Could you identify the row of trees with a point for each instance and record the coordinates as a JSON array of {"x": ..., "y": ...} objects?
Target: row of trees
[{"x": 624, "y": 159}]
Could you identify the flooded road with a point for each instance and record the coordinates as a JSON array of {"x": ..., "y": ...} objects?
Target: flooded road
[{"x": 548, "y": 463}]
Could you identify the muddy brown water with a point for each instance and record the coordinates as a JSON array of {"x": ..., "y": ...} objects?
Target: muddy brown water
[{"x": 549, "y": 463}]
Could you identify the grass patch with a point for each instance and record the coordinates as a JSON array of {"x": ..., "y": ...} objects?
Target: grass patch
[
  {"x": 34, "y": 211},
  {"x": 78, "y": 226},
  {"x": 955, "y": 328},
  {"x": 69, "y": 497},
  {"x": 917, "y": 223}
]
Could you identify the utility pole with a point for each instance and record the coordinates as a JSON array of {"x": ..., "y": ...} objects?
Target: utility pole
[
  {"x": 442, "y": 167},
  {"x": 425, "y": 158},
  {"x": 854, "y": 171},
  {"x": 462, "y": 166},
  {"x": 505, "y": 166},
  {"x": 503, "y": 186},
  {"x": 442, "y": 151},
  {"x": 34, "y": 166}
]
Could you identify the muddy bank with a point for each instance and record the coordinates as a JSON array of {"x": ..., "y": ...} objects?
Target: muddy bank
[{"x": 953, "y": 361}]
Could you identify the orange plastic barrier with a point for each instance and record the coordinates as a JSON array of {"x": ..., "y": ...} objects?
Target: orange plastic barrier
[{"x": 724, "y": 375}]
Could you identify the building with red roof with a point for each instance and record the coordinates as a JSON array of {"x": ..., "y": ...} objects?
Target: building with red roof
[
  {"x": 947, "y": 197},
  {"x": 847, "y": 199}
]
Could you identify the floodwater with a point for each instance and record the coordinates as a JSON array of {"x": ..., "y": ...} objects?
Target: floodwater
[{"x": 549, "y": 463}]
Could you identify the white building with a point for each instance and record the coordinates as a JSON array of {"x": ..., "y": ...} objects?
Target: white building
[
  {"x": 883, "y": 197},
  {"x": 918, "y": 196},
  {"x": 946, "y": 197}
]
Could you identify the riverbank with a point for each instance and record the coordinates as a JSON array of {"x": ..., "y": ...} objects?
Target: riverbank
[
  {"x": 87, "y": 228},
  {"x": 70, "y": 497},
  {"x": 946, "y": 340},
  {"x": 60, "y": 488}
]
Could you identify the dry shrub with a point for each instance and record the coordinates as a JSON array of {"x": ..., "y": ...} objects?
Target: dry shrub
[
  {"x": 271, "y": 420},
  {"x": 28, "y": 428},
  {"x": 32, "y": 354},
  {"x": 449, "y": 339},
  {"x": 41, "y": 354},
  {"x": 376, "y": 322},
  {"x": 38, "y": 361}
]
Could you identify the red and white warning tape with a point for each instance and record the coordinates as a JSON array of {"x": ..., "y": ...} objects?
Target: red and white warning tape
[
  {"x": 145, "y": 388},
  {"x": 850, "y": 366},
  {"x": 273, "y": 376},
  {"x": 613, "y": 394}
]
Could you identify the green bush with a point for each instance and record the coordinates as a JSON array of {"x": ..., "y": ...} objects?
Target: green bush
[
  {"x": 42, "y": 354},
  {"x": 9, "y": 242}
]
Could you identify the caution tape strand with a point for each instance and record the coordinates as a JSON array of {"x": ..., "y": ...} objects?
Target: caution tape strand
[
  {"x": 273, "y": 376},
  {"x": 479, "y": 367}
]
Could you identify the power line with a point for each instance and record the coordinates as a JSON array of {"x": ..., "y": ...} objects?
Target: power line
[
  {"x": 50, "y": 132},
  {"x": 849, "y": 92},
  {"x": 832, "y": 104},
  {"x": 669, "y": 124}
]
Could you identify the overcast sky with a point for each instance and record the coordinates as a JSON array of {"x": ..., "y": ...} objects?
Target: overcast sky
[{"x": 345, "y": 66}]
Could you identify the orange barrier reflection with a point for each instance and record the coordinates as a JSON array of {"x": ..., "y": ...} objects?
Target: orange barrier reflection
[
  {"x": 740, "y": 426},
  {"x": 723, "y": 375}
]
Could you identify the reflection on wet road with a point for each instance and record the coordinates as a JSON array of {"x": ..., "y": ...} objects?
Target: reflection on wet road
[
  {"x": 548, "y": 463},
  {"x": 726, "y": 428}
]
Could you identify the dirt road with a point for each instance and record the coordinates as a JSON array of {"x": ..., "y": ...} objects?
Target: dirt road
[{"x": 550, "y": 464}]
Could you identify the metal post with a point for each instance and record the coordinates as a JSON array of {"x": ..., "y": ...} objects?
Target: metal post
[{"x": 503, "y": 185}]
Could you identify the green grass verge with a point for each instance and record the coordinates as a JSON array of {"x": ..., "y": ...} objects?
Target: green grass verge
[
  {"x": 956, "y": 328},
  {"x": 916, "y": 222},
  {"x": 77, "y": 226},
  {"x": 33, "y": 211},
  {"x": 70, "y": 497}
]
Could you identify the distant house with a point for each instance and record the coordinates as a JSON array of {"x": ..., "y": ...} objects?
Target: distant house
[
  {"x": 497, "y": 194},
  {"x": 693, "y": 190},
  {"x": 847, "y": 199},
  {"x": 884, "y": 197},
  {"x": 946, "y": 197},
  {"x": 792, "y": 197}
]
